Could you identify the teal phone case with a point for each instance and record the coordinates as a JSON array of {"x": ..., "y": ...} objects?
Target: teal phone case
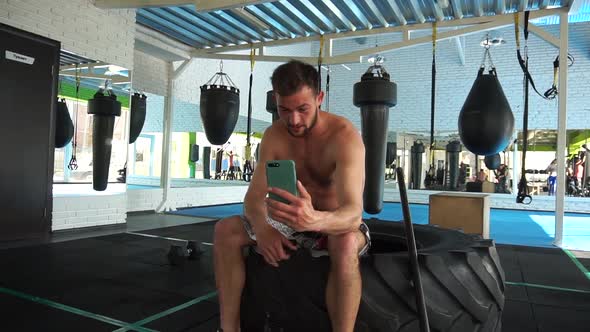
[{"x": 281, "y": 174}]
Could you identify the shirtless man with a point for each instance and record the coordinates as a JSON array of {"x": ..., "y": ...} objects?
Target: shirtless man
[{"x": 329, "y": 155}]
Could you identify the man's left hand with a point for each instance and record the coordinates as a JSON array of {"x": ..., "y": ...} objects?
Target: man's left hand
[{"x": 299, "y": 215}]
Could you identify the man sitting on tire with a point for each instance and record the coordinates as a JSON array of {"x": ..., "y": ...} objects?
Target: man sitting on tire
[{"x": 327, "y": 216}]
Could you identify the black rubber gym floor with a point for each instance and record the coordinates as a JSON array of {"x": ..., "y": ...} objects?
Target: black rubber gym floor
[{"x": 123, "y": 282}]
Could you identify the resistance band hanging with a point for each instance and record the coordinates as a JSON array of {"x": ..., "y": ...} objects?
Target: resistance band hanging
[
  {"x": 523, "y": 196},
  {"x": 248, "y": 169},
  {"x": 320, "y": 60},
  {"x": 73, "y": 164},
  {"x": 328, "y": 90},
  {"x": 551, "y": 93},
  {"x": 430, "y": 178}
]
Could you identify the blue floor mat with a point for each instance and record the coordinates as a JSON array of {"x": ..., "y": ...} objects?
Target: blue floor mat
[{"x": 521, "y": 227}]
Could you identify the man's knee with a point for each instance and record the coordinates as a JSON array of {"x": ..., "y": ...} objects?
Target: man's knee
[
  {"x": 344, "y": 248},
  {"x": 230, "y": 231}
]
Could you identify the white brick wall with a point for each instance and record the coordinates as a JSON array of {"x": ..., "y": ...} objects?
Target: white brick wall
[
  {"x": 150, "y": 74},
  {"x": 105, "y": 35},
  {"x": 85, "y": 211},
  {"x": 150, "y": 199}
]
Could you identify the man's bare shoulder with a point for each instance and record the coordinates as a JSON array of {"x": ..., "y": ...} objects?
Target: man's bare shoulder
[{"x": 342, "y": 128}]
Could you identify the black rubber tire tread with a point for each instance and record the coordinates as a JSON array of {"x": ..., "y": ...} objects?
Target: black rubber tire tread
[{"x": 461, "y": 275}]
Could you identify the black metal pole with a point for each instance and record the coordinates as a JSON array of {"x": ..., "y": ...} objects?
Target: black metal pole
[{"x": 412, "y": 252}]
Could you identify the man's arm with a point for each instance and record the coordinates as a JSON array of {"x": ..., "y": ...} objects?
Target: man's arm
[
  {"x": 254, "y": 206},
  {"x": 349, "y": 180}
]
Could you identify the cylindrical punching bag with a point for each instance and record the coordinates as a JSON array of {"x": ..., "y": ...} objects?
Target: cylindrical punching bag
[
  {"x": 374, "y": 94},
  {"x": 493, "y": 161},
  {"x": 271, "y": 105},
  {"x": 416, "y": 152},
  {"x": 207, "y": 162},
  {"x": 391, "y": 153},
  {"x": 220, "y": 108},
  {"x": 64, "y": 128},
  {"x": 453, "y": 150},
  {"x": 104, "y": 108},
  {"x": 137, "y": 116},
  {"x": 486, "y": 120},
  {"x": 194, "y": 153}
]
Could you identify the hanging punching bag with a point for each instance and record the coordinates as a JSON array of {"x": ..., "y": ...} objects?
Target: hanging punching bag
[
  {"x": 374, "y": 94},
  {"x": 64, "y": 128},
  {"x": 104, "y": 108},
  {"x": 207, "y": 162},
  {"x": 453, "y": 150},
  {"x": 493, "y": 161},
  {"x": 137, "y": 116},
  {"x": 486, "y": 120},
  {"x": 416, "y": 152},
  {"x": 271, "y": 105},
  {"x": 220, "y": 108}
]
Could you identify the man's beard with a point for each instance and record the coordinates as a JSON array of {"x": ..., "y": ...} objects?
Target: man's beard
[{"x": 306, "y": 129}]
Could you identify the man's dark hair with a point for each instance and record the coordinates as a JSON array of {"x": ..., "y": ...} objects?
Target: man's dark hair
[{"x": 290, "y": 77}]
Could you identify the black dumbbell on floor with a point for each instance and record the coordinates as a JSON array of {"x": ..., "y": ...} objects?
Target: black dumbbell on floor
[{"x": 177, "y": 255}]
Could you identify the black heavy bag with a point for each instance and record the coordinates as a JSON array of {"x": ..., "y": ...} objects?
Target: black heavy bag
[
  {"x": 207, "y": 162},
  {"x": 194, "y": 153},
  {"x": 138, "y": 110},
  {"x": 271, "y": 105},
  {"x": 453, "y": 152},
  {"x": 220, "y": 108},
  {"x": 64, "y": 128},
  {"x": 391, "y": 153},
  {"x": 486, "y": 121},
  {"x": 416, "y": 152},
  {"x": 493, "y": 161},
  {"x": 374, "y": 94},
  {"x": 104, "y": 108}
]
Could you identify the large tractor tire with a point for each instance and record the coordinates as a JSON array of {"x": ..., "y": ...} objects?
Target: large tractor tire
[{"x": 461, "y": 275}]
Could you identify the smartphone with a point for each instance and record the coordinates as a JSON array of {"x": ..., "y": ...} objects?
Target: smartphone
[{"x": 281, "y": 174}]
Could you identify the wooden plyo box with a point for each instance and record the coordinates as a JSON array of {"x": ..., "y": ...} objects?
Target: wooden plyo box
[{"x": 467, "y": 211}]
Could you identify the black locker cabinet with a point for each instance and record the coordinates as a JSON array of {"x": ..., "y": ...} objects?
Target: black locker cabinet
[{"x": 29, "y": 70}]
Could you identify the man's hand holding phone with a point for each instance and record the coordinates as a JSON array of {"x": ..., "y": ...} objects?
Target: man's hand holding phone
[{"x": 299, "y": 214}]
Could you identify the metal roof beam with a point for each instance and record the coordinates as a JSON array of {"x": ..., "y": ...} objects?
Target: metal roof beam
[
  {"x": 187, "y": 26},
  {"x": 500, "y": 7},
  {"x": 359, "y": 33},
  {"x": 359, "y": 14},
  {"x": 339, "y": 14},
  {"x": 574, "y": 6},
  {"x": 377, "y": 13},
  {"x": 293, "y": 25},
  {"x": 327, "y": 22},
  {"x": 397, "y": 12},
  {"x": 438, "y": 13},
  {"x": 228, "y": 33},
  {"x": 523, "y": 5},
  {"x": 478, "y": 8},
  {"x": 257, "y": 34},
  {"x": 457, "y": 10},
  {"x": 306, "y": 21},
  {"x": 543, "y": 4},
  {"x": 212, "y": 5},
  {"x": 271, "y": 21},
  {"x": 418, "y": 15},
  {"x": 118, "y": 4},
  {"x": 179, "y": 30}
]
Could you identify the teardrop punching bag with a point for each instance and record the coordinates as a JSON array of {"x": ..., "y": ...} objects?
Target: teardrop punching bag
[
  {"x": 493, "y": 161},
  {"x": 64, "y": 127},
  {"x": 416, "y": 152},
  {"x": 374, "y": 94},
  {"x": 220, "y": 108},
  {"x": 486, "y": 121},
  {"x": 137, "y": 116},
  {"x": 104, "y": 108},
  {"x": 271, "y": 105}
]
